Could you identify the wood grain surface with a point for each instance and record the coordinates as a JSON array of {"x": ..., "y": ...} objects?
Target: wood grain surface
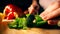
[{"x": 5, "y": 30}]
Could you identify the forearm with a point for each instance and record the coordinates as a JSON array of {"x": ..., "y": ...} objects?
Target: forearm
[{"x": 46, "y": 3}]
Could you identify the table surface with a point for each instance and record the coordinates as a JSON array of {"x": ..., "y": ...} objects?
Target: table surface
[
  {"x": 32, "y": 31},
  {"x": 5, "y": 30}
]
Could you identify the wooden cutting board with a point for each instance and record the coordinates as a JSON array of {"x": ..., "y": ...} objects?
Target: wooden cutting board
[
  {"x": 5, "y": 30},
  {"x": 31, "y": 31}
]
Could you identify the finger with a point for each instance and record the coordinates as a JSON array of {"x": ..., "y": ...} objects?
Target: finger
[
  {"x": 52, "y": 14},
  {"x": 50, "y": 8},
  {"x": 31, "y": 9},
  {"x": 53, "y": 22}
]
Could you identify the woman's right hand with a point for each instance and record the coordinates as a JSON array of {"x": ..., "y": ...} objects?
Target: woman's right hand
[{"x": 34, "y": 7}]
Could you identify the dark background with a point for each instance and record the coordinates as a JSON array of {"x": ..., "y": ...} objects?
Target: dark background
[{"x": 23, "y": 4}]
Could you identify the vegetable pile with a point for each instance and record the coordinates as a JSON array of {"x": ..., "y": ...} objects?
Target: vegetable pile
[
  {"x": 28, "y": 21},
  {"x": 20, "y": 19}
]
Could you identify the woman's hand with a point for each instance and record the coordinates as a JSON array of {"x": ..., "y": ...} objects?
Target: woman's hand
[
  {"x": 34, "y": 7},
  {"x": 52, "y": 11}
]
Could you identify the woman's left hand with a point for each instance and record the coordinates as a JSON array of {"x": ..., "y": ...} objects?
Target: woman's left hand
[{"x": 52, "y": 11}]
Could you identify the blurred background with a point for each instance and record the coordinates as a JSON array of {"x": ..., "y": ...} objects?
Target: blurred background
[{"x": 23, "y": 4}]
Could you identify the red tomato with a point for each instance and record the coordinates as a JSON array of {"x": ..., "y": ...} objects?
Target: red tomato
[
  {"x": 10, "y": 16},
  {"x": 10, "y": 9}
]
